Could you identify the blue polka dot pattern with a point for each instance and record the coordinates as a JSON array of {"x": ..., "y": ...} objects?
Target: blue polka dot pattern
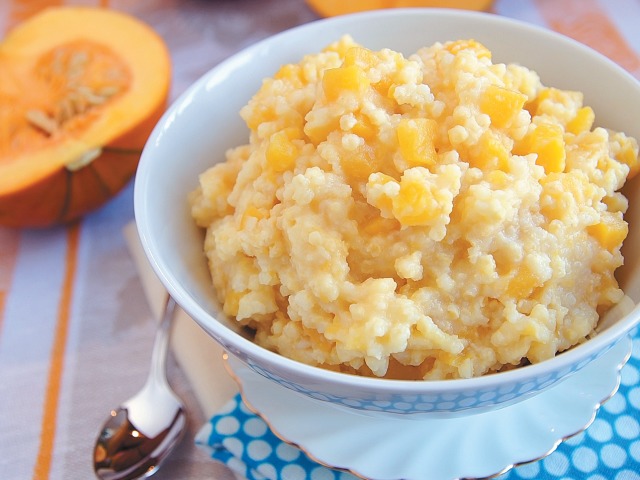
[
  {"x": 401, "y": 404},
  {"x": 608, "y": 450},
  {"x": 242, "y": 441}
]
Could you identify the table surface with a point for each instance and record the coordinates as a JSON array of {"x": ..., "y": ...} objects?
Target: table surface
[{"x": 75, "y": 328}]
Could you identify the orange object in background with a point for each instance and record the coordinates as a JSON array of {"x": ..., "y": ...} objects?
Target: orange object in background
[
  {"x": 332, "y": 8},
  {"x": 74, "y": 140}
]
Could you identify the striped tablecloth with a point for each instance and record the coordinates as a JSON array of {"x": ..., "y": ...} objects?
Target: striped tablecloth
[{"x": 75, "y": 325}]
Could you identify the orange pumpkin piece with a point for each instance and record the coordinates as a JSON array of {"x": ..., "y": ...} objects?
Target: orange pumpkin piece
[
  {"x": 331, "y": 8},
  {"x": 80, "y": 91}
]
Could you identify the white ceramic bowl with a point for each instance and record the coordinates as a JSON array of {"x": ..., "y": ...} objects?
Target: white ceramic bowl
[{"x": 204, "y": 122}]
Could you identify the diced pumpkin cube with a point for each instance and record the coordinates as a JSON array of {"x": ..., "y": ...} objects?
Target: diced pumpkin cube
[
  {"x": 547, "y": 141},
  {"x": 291, "y": 73},
  {"x": 522, "y": 283},
  {"x": 380, "y": 225},
  {"x": 364, "y": 128},
  {"x": 553, "y": 94},
  {"x": 491, "y": 153},
  {"x": 564, "y": 105},
  {"x": 582, "y": 122},
  {"x": 390, "y": 79},
  {"x": 359, "y": 164},
  {"x": 416, "y": 139},
  {"x": 533, "y": 105},
  {"x": 232, "y": 302},
  {"x": 293, "y": 133},
  {"x": 252, "y": 212},
  {"x": 318, "y": 132},
  {"x": 415, "y": 203},
  {"x": 498, "y": 179},
  {"x": 361, "y": 57},
  {"x": 502, "y": 105},
  {"x": 260, "y": 114},
  {"x": 350, "y": 78},
  {"x": 425, "y": 198},
  {"x": 611, "y": 231},
  {"x": 410, "y": 207},
  {"x": 281, "y": 153},
  {"x": 457, "y": 46}
]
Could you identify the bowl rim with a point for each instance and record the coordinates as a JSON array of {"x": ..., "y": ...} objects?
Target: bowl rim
[{"x": 254, "y": 353}]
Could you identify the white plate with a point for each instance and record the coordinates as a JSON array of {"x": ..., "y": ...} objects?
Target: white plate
[{"x": 479, "y": 445}]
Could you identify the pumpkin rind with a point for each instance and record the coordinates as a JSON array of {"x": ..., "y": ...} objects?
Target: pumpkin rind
[
  {"x": 67, "y": 195},
  {"x": 48, "y": 185},
  {"x": 331, "y": 8}
]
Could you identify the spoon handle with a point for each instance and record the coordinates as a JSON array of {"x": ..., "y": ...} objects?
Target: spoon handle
[
  {"x": 160, "y": 346},
  {"x": 144, "y": 429}
]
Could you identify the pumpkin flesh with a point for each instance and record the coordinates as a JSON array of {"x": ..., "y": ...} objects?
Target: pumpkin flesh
[{"x": 81, "y": 89}]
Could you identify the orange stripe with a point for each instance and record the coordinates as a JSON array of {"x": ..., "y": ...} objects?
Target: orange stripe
[
  {"x": 586, "y": 22},
  {"x": 42, "y": 467}
]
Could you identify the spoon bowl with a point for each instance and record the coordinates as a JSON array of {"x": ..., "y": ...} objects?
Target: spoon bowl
[{"x": 143, "y": 431}]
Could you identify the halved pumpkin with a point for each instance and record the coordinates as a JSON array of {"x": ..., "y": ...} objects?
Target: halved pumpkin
[
  {"x": 81, "y": 88},
  {"x": 330, "y": 8}
]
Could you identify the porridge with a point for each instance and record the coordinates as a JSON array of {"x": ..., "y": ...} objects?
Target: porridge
[{"x": 434, "y": 216}]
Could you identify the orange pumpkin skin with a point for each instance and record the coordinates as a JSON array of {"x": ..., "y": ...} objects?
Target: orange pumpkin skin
[
  {"x": 67, "y": 195},
  {"x": 330, "y": 8},
  {"x": 92, "y": 156}
]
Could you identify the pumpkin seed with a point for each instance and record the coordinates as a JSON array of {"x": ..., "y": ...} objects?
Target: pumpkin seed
[
  {"x": 42, "y": 121},
  {"x": 84, "y": 159}
]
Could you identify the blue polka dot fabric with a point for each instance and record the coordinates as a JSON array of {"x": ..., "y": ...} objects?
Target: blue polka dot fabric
[
  {"x": 244, "y": 442},
  {"x": 608, "y": 450}
]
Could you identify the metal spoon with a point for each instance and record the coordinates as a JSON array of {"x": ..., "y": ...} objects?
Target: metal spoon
[{"x": 142, "y": 432}]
